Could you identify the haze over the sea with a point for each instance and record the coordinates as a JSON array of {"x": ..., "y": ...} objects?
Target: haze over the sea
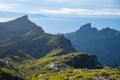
[{"x": 66, "y": 15}]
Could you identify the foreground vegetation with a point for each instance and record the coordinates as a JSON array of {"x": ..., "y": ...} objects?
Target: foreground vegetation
[
  {"x": 81, "y": 74},
  {"x": 73, "y": 66},
  {"x": 67, "y": 74}
]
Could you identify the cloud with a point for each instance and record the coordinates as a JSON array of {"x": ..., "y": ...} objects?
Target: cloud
[
  {"x": 81, "y": 11},
  {"x": 77, "y": 7},
  {"x": 7, "y": 7}
]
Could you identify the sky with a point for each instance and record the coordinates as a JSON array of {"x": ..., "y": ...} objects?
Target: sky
[
  {"x": 64, "y": 8},
  {"x": 75, "y": 7}
]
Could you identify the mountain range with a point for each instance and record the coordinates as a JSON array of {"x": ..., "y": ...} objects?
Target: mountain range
[
  {"x": 104, "y": 43},
  {"x": 27, "y": 51}
]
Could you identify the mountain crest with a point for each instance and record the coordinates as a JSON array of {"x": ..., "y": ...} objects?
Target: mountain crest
[
  {"x": 25, "y": 17},
  {"x": 31, "y": 38},
  {"x": 18, "y": 27},
  {"x": 22, "y": 19},
  {"x": 103, "y": 43},
  {"x": 87, "y": 28}
]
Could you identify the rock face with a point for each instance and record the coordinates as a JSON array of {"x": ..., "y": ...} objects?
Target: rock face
[
  {"x": 22, "y": 34},
  {"x": 104, "y": 43},
  {"x": 84, "y": 61}
]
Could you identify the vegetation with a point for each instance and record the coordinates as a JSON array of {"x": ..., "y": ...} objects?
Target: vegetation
[
  {"x": 67, "y": 74},
  {"x": 53, "y": 67},
  {"x": 7, "y": 74},
  {"x": 82, "y": 74}
]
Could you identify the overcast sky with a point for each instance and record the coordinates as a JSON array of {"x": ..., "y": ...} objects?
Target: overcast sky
[{"x": 76, "y": 7}]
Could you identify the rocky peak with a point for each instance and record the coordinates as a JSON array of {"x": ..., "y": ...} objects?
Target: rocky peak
[
  {"x": 87, "y": 28},
  {"x": 64, "y": 43},
  {"x": 18, "y": 27},
  {"x": 22, "y": 20},
  {"x": 25, "y": 17}
]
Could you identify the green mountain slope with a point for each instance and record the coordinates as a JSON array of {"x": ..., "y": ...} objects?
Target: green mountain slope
[
  {"x": 7, "y": 74},
  {"x": 38, "y": 45},
  {"x": 51, "y": 67},
  {"x": 22, "y": 34},
  {"x": 8, "y": 61},
  {"x": 27, "y": 67}
]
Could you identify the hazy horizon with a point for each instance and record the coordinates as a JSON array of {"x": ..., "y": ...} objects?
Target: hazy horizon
[{"x": 65, "y": 16}]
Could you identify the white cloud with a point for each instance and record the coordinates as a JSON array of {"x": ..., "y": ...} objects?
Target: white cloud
[
  {"x": 82, "y": 11},
  {"x": 7, "y": 7}
]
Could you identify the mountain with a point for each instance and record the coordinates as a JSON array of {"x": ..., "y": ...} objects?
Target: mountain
[
  {"x": 104, "y": 43},
  {"x": 27, "y": 52},
  {"x": 17, "y": 27},
  {"x": 22, "y": 34},
  {"x": 7, "y": 14}
]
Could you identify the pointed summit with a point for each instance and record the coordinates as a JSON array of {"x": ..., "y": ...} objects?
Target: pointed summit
[
  {"x": 86, "y": 26},
  {"x": 24, "y": 17},
  {"x": 18, "y": 27}
]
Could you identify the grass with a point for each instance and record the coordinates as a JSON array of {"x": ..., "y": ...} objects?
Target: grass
[{"x": 38, "y": 69}]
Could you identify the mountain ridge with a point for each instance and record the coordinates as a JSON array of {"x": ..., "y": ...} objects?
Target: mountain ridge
[
  {"x": 100, "y": 42},
  {"x": 17, "y": 27},
  {"x": 33, "y": 53},
  {"x": 22, "y": 34}
]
